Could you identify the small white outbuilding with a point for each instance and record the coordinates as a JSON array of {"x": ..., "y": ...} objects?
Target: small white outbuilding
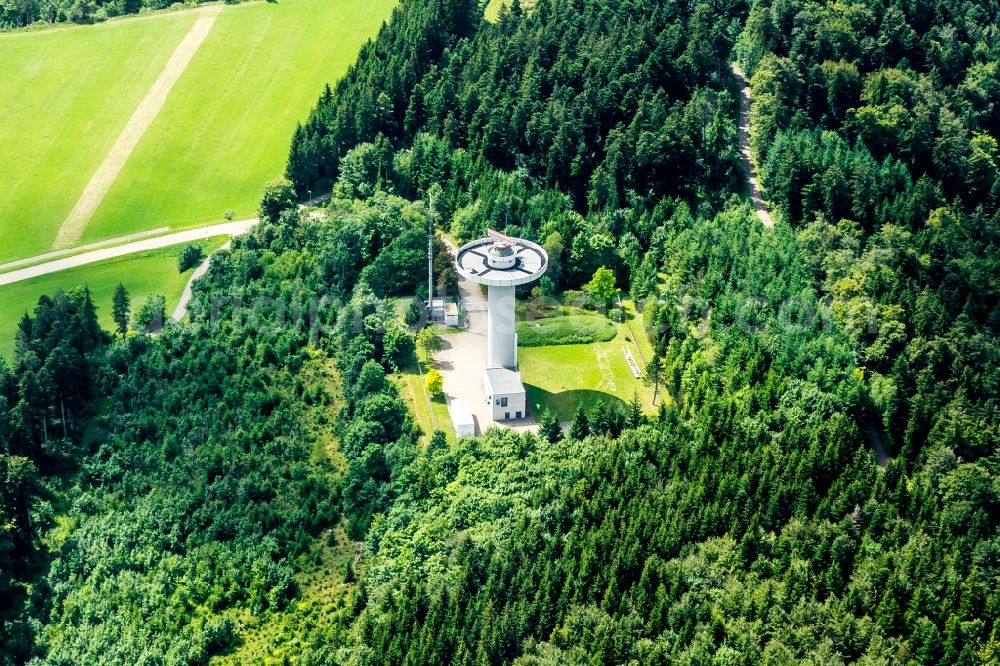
[
  {"x": 461, "y": 418},
  {"x": 503, "y": 390}
]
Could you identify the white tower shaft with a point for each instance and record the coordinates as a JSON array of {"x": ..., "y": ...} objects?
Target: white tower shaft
[
  {"x": 501, "y": 338},
  {"x": 501, "y": 263}
]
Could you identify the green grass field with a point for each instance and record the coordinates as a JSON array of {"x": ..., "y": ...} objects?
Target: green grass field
[
  {"x": 227, "y": 125},
  {"x": 143, "y": 274},
  {"x": 223, "y": 131},
  {"x": 67, "y": 93},
  {"x": 561, "y": 377}
]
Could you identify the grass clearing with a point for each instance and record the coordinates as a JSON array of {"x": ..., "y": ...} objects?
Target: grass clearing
[
  {"x": 560, "y": 377},
  {"x": 67, "y": 94},
  {"x": 493, "y": 7},
  {"x": 430, "y": 413},
  {"x": 143, "y": 274},
  {"x": 225, "y": 128}
]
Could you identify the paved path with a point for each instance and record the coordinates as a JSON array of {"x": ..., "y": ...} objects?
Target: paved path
[
  {"x": 72, "y": 228},
  {"x": 125, "y": 247},
  {"x": 748, "y": 169},
  {"x": 41, "y": 258},
  {"x": 225, "y": 229},
  {"x": 463, "y": 358}
]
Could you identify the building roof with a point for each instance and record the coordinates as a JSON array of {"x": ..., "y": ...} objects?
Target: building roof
[
  {"x": 473, "y": 261},
  {"x": 504, "y": 381},
  {"x": 461, "y": 414}
]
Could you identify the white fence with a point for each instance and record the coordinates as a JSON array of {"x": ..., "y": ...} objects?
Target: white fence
[{"x": 631, "y": 362}]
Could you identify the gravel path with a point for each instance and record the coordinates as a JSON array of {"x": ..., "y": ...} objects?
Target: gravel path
[
  {"x": 181, "y": 310},
  {"x": 76, "y": 222},
  {"x": 748, "y": 170},
  {"x": 48, "y": 256}
]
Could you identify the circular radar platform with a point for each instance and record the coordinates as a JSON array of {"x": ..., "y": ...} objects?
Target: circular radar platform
[{"x": 501, "y": 261}]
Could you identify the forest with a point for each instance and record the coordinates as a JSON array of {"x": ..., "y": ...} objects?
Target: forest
[{"x": 164, "y": 495}]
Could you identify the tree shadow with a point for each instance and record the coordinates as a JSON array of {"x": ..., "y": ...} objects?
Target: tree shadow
[{"x": 565, "y": 403}]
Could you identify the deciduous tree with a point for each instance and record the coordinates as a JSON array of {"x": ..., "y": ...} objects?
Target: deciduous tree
[{"x": 434, "y": 382}]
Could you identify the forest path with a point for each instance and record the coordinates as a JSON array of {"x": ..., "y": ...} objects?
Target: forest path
[
  {"x": 868, "y": 428},
  {"x": 76, "y": 222},
  {"x": 181, "y": 310},
  {"x": 748, "y": 169}
]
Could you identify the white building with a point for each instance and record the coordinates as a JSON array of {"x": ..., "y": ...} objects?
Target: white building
[
  {"x": 461, "y": 418},
  {"x": 502, "y": 263},
  {"x": 504, "y": 391}
]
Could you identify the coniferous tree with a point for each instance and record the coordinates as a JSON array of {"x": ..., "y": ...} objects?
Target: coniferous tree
[
  {"x": 634, "y": 417},
  {"x": 121, "y": 309},
  {"x": 579, "y": 427},
  {"x": 549, "y": 427},
  {"x": 654, "y": 373}
]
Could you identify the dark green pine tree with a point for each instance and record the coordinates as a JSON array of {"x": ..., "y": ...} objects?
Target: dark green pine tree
[
  {"x": 89, "y": 326},
  {"x": 549, "y": 427},
  {"x": 634, "y": 416},
  {"x": 120, "y": 306},
  {"x": 580, "y": 426}
]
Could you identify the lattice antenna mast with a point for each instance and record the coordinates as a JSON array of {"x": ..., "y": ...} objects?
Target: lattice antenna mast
[{"x": 430, "y": 260}]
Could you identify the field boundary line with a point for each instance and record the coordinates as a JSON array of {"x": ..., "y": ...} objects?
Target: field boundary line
[
  {"x": 176, "y": 238},
  {"x": 76, "y": 222},
  {"x": 48, "y": 256}
]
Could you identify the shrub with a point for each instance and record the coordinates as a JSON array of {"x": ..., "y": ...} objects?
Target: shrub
[
  {"x": 413, "y": 313},
  {"x": 151, "y": 315},
  {"x": 571, "y": 330},
  {"x": 190, "y": 257},
  {"x": 278, "y": 196}
]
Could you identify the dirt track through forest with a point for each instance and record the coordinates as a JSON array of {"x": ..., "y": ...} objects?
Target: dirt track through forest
[
  {"x": 753, "y": 183},
  {"x": 76, "y": 222}
]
